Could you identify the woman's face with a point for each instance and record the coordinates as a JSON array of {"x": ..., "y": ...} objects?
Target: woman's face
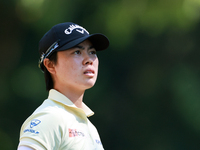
[{"x": 76, "y": 68}]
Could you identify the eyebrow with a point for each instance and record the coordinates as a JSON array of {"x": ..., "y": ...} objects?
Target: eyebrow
[{"x": 81, "y": 47}]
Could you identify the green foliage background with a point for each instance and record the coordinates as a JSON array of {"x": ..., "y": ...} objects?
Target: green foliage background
[{"x": 147, "y": 93}]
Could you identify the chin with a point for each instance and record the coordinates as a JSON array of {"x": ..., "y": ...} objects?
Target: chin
[{"x": 89, "y": 85}]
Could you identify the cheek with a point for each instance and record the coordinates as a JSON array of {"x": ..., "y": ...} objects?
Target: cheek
[
  {"x": 72, "y": 68},
  {"x": 65, "y": 67},
  {"x": 96, "y": 64}
]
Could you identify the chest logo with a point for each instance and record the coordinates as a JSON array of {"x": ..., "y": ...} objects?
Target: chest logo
[{"x": 75, "y": 133}]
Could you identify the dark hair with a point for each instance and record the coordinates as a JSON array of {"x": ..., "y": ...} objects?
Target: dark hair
[{"x": 47, "y": 75}]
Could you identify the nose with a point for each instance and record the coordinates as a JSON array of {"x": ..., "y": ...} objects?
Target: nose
[{"x": 87, "y": 60}]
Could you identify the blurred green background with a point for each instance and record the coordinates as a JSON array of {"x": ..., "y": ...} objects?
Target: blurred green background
[{"x": 147, "y": 96}]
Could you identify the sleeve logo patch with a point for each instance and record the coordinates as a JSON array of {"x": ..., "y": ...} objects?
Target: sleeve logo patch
[{"x": 34, "y": 123}]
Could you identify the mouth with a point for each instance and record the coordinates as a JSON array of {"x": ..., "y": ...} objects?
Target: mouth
[{"x": 89, "y": 72}]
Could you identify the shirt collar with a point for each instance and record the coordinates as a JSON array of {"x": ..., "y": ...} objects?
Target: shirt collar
[{"x": 59, "y": 97}]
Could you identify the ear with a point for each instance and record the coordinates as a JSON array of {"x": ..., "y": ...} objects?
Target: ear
[{"x": 49, "y": 65}]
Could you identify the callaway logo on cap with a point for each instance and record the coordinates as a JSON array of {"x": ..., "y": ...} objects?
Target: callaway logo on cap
[
  {"x": 77, "y": 27},
  {"x": 65, "y": 36}
]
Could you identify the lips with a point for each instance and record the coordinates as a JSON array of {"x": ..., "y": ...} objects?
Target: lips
[{"x": 89, "y": 72}]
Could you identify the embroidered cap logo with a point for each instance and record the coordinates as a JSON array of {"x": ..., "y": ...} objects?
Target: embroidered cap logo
[{"x": 77, "y": 27}]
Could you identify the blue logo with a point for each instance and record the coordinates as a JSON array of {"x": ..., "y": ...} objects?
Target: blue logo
[
  {"x": 34, "y": 123},
  {"x": 31, "y": 131},
  {"x": 98, "y": 141}
]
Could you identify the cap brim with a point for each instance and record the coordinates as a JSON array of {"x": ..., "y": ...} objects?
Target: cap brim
[{"x": 99, "y": 41}]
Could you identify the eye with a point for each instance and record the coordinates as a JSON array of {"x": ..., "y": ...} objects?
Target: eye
[
  {"x": 93, "y": 52},
  {"x": 77, "y": 52}
]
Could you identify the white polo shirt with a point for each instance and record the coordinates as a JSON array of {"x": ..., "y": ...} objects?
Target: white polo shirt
[{"x": 59, "y": 125}]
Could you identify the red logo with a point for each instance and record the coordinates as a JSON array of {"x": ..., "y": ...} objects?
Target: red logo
[{"x": 75, "y": 133}]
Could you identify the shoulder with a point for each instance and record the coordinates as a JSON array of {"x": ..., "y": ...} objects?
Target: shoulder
[
  {"x": 46, "y": 125},
  {"x": 50, "y": 112},
  {"x": 49, "y": 118},
  {"x": 51, "y": 108}
]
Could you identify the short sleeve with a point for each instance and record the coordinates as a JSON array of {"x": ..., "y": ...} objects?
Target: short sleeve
[{"x": 43, "y": 130}]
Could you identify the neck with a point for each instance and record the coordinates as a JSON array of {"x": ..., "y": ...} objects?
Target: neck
[{"x": 75, "y": 96}]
